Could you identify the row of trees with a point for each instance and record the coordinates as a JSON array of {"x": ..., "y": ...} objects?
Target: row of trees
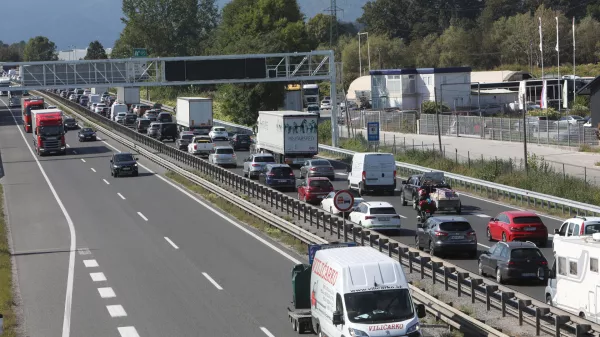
[{"x": 40, "y": 48}]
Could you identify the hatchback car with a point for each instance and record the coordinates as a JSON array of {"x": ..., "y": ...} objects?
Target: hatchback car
[
  {"x": 279, "y": 176},
  {"x": 123, "y": 164},
  {"x": 376, "y": 215},
  {"x": 86, "y": 134},
  {"x": 184, "y": 140},
  {"x": 578, "y": 226},
  {"x": 130, "y": 119},
  {"x": 255, "y": 164},
  {"x": 240, "y": 141},
  {"x": 120, "y": 118},
  {"x": 315, "y": 189},
  {"x": 151, "y": 116},
  {"x": 153, "y": 130},
  {"x": 218, "y": 132},
  {"x": 517, "y": 226},
  {"x": 514, "y": 261},
  {"x": 446, "y": 234},
  {"x": 142, "y": 124},
  {"x": 223, "y": 155},
  {"x": 317, "y": 168}
]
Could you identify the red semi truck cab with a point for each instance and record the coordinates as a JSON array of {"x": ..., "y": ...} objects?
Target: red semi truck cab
[
  {"x": 49, "y": 131},
  {"x": 28, "y": 104}
]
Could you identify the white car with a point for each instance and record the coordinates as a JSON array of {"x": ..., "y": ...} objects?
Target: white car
[
  {"x": 325, "y": 104},
  {"x": 120, "y": 117},
  {"x": 223, "y": 155},
  {"x": 376, "y": 215},
  {"x": 218, "y": 132},
  {"x": 578, "y": 226},
  {"x": 98, "y": 107},
  {"x": 327, "y": 204}
]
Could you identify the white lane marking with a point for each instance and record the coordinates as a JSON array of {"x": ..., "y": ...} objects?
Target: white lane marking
[
  {"x": 341, "y": 174},
  {"x": 267, "y": 332},
  {"x": 142, "y": 216},
  {"x": 483, "y": 215},
  {"x": 90, "y": 263},
  {"x": 116, "y": 310},
  {"x": 68, "y": 145},
  {"x": 107, "y": 292},
  {"x": 482, "y": 245},
  {"x": 84, "y": 251},
  {"x": 210, "y": 279},
  {"x": 98, "y": 138},
  {"x": 171, "y": 242},
  {"x": 218, "y": 213},
  {"x": 93, "y": 169},
  {"x": 121, "y": 195},
  {"x": 66, "y": 331},
  {"x": 98, "y": 277},
  {"x": 114, "y": 148},
  {"x": 106, "y": 181},
  {"x": 402, "y": 216},
  {"x": 83, "y": 160},
  {"x": 128, "y": 331},
  {"x": 74, "y": 152}
]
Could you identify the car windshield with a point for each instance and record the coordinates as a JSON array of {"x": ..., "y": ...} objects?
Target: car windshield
[
  {"x": 224, "y": 151},
  {"x": 87, "y": 130},
  {"x": 592, "y": 228},
  {"x": 526, "y": 219},
  {"x": 69, "y": 120},
  {"x": 281, "y": 171},
  {"x": 264, "y": 159},
  {"x": 525, "y": 253},
  {"x": 50, "y": 130},
  {"x": 455, "y": 226},
  {"x": 242, "y": 137},
  {"x": 121, "y": 157},
  {"x": 320, "y": 183},
  {"x": 382, "y": 210},
  {"x": 381, "y": 306},
  {"x": 219, "y": 130},
  {"x": 187, "y": 137},
  {"x": 320, "y": 163}
]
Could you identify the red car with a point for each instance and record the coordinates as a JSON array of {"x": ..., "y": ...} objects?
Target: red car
[
  {"x": 314, "y": 189},
  {"x": 517, "y": 226}
]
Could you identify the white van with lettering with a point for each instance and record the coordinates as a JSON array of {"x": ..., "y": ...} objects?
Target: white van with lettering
[{"x": 358, "y": 291}]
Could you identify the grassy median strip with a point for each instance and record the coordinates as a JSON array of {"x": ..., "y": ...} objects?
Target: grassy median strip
[
  {"x": 234, "y": 210},
  {"x": 6, "y": 293}
]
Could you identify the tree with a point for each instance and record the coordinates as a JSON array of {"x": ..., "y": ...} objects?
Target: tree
[
  {"x": 95, "y": 51},
  {"x": 318, "y": 28},
  {"x": 40, "y": 48},
  {"x": 455, "y": 47},
  {"x": 587, "y": 35}
]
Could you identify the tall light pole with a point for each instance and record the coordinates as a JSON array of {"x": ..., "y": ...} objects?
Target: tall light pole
[
  {"x": 368, "y": 48},
  {"x": 359, "y": 58}
]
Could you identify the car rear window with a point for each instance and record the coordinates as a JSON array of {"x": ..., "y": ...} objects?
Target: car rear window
[
  {"x": 264, "y": 159},
  {"x": 592, "y": 228},
  {"x": 219, "y": 129},
  {"x": 281, "y": 171},
  {"x": 526, "y": 219},
  {"x": 320, "y": 183},
  {"x": 457, "y": 226},
  {"x": 382, "y": 210},
  {"x": 202, "y": 140},
  {"x": 320, "y": 163},
  {"x": 188, "y": 137},
  {"x": 224, "y": 151},
  {"x": 244, "y": 137},
  {"x": 525, "y": 253},
  {"x": 145, "y": 122}
]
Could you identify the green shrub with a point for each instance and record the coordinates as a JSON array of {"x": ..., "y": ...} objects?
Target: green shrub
[{"x": 325, "y": 132}]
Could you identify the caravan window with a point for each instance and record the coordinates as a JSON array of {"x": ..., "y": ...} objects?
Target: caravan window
[
  {"x": 593, "y": 264},
  {"x": 576, "y": 230},
  {"x": 562, "y": 266},
  {"x": 573, "y": 268}
]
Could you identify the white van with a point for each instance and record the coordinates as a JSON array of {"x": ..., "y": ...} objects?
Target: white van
[
  {"x": 116, "y": 108},
  {"x": 372, "y": 172},
  {"x": 359, "y": 291},
  {"x": 94, "y": 99}
]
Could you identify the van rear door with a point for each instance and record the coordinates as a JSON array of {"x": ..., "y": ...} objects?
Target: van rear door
[{"x": 379, "y": 168}]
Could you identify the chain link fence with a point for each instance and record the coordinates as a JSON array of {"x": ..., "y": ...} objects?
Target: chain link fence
[{"x": 390, "y": 121}]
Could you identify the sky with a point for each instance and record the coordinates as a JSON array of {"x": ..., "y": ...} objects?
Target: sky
[{"x": 75, "y": 23}]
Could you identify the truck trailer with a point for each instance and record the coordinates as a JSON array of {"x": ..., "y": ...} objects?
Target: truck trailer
[
  {"x": 27, "y": 105},
  {"x": 194, "y": 113},
  {"x": 49, "y": 131},
  {"x": 128, "y": 96},
  {"x": 352, "y": 291},
  {"x": 291, "y": 136}
]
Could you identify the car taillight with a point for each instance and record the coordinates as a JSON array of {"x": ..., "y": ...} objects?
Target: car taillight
[
  {"x": 364, "y": 175},
  {"x": 271, "y": 174},
  {"x": 62, "y": 139},
  {"x": 292, "y": 174},
  {"x": 369, "y": 217},
  {"x": 216, "y": 156},
  {"x": 543, "y": 263},
  {"x": 233, "y": 155},
  {"x": 255, "y": 165},
  {"x": 195, "y": 146},
  {"x": 394, "y": 173},
  {"x": 438, "y": 233},
  {"x": 313, "y": 168},
  {"x": 471, "y": 233},
  {"x": 511, "y": 263}
]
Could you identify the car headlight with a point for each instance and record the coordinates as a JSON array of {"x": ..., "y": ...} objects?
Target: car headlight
[
  {"x": 413, "y": 328},
  {"x": 134, "y": 165},
  {"x": 115, "y": 166},
  {"x": 357, "y": 333}
]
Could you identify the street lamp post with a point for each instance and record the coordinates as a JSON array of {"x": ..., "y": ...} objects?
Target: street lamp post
[{"x": 368, "y": 52}]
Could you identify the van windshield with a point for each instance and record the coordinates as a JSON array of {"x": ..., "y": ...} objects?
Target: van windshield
[{"x": 381, "y": 306}]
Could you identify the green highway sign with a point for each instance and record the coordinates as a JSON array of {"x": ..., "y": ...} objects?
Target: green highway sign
[{"x": 140, "y": 52}]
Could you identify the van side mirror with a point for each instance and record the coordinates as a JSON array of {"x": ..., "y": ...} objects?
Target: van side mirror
[
  {"x": 421, "y": 310},
  {"x": 552, "y": 274},
  {"x": 338, "y": 318}
]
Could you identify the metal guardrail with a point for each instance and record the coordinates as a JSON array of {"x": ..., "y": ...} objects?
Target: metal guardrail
[
  {"x": 528, "y": 310},
  {"x": 453, "y": 317}
]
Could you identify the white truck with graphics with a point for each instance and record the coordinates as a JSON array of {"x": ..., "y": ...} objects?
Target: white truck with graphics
[
  {"x": 291, "y": 136},
  {"x": 352, "y": 291}
]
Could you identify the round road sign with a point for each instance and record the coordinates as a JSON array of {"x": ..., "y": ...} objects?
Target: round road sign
[{"x": 343, "y": 201}]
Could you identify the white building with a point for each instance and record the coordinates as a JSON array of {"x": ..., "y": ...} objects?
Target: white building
[
  {"x": 407, "y": 89},
  {"x": 76, "y": 54}
]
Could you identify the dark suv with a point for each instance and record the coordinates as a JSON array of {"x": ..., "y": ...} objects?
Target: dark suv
[
  {"x": 141, "y": 125},
  {"x": 514, "y": 261},
  {"x": 123, "y": 164},
  {"x": 167, "y": 131},
  {"x": 164, "y": 117},
  {"x": 240, "y": 141},
  {"x": 446, "y": 234}
]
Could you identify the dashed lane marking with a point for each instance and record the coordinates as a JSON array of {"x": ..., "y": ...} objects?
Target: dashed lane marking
[
  {"x": 116, "y": 310},
  {"x": 90, "y": 263},
  {"x": 210, "y": 279},
  {"x": 121, "y": 195},
  {"x": 171, "y": 242},
  {"x": 98, "y": 277},
  {"x": 128, "y": 331},
  {"x": 142, "y": 216},
  {"x": 107, "y": 292}
]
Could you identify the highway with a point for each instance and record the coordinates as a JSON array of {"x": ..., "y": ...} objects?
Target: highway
[
  {"x": 151, "y": 258},
  {"x": 476, "y": 210}
]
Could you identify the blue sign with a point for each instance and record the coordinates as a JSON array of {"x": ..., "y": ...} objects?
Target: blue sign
[
  {"x": 373, "y": 131},
  {"x": 312, "y": 249}
]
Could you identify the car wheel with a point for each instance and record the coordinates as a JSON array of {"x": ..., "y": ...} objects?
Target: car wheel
[
  {"x": 402, "y": 200},
  {"x": 480, "y": 268},
  {"x": 489, "y": 234},
  {"x": 503, "y": 237},
  {"x": 116, "y": 175},
  {"x": 418, "y": 243},
  {"x": 432, "y": 251},
  {"x": 499, "y": 278}
]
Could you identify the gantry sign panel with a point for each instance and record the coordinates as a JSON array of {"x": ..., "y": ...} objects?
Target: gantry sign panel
[{"x": 136, "y": 72}]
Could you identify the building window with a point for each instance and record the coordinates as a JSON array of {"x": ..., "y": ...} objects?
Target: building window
[
  {"x": 573, "y": 268},
  {"x": 409, "y": 84},
  {"x": 593, "y": 264},
  {"x": 562, "y": 266}
]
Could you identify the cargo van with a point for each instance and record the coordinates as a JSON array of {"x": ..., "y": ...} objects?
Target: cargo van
[
  {"x": 115, "y": 109},
  {"x": 372, "y": 172},
  {"x": 359, "y": 291}
]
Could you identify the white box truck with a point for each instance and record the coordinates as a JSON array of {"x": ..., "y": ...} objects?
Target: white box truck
[
  {"x": 128, "y": 96},
  {"x": 99, "y": 90},
  {"x": 352, "y": 291},
  {"x": 194, "y": 114},
  {"x": 291, "y": 136}
]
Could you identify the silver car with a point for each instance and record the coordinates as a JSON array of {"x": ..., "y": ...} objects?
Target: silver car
[
  {"x": 153, "y": 129},
  {"x": 223, "y": 155},
  {"x": 254, "y": 164},
  {"x": 120, "y": 117}
]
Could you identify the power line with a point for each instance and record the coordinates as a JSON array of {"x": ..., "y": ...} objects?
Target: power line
[{"x": 333, "y": 25}]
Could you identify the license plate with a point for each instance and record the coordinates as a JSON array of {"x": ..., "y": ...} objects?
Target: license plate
[
  {"x": 457, "y": 237},
  {"x": 530, "y": 229},
  {"x": 282, "y": 181},
  {"x": 125, "y": 168},
  {"x": 529, "y": 274},
  {"x": 384, "y": 219}
]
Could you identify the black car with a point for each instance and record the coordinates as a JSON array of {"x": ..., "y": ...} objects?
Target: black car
[
  {"x": 184, "y": 140},
  {"x": 130, "y": 119},
  {"x": 446, "y": 234},
  {"x": 164, "y": 117},
  {"x": 123, "y": 164},
  {"x": 142, "y": 124},
  {"x": 167, "y": 131},
  {"x": 86, "y": 134},
  {"x": 240, "y": 141},
  {"x": 70, "y": 123},
  {"x": 514, "y": 261}
]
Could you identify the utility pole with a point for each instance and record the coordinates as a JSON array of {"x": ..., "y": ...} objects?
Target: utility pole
[
  {"x": 333, "y": 25},
  {"x": 526, "y": 128},
  {"x": 437, "y": 117}
]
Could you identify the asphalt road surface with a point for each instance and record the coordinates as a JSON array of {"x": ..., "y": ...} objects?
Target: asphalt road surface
[
  {"x": 476, "y": 210},
  {"x": 151, "y": 259}
]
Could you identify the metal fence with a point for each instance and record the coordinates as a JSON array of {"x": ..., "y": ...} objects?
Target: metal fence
[
  {"x": 509, "y": 129},
  {"x": 390, "y": 121}
]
